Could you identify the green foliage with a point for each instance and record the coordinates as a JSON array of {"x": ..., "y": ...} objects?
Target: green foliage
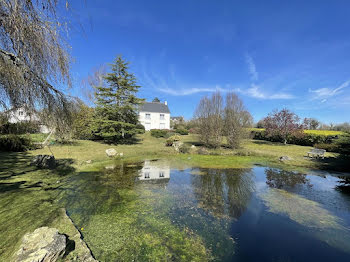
[
  {"x": 19, "y": 128},
  {"x": 116, "y": 107},
  {"x": 184, "y": 149},
  {"x": 140, "y": 129},
  {"x": 182, "y": 131},
  {"x": 171, "y": 140},
  {"x": 15, "y": 143},
  {"x": 82, "y": 123},
  {"x": 159, "y": 132}
]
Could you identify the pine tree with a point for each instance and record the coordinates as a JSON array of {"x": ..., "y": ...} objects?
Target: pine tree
[{"x": 116, "y": 104}]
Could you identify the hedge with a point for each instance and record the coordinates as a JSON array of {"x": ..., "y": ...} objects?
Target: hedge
[{"x": 15, "y": 143}]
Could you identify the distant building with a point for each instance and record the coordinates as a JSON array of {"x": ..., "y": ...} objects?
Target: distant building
[
  {"x": 154, "y": 115},
  {"x": 21, "y": 114},
  {"x": 177, "y": 119}
]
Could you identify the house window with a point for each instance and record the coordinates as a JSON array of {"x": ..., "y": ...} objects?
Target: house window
[
  {"x": 161, "y": 126},
  {"x": 161, "y": 174},
  {"x": 162, "y": 117},
  {"x": 148, "y": 116},
  {"x": 146, "y": 174},
  {"x": 21, "y": 113}
]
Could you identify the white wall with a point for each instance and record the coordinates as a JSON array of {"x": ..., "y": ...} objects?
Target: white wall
[
  {"x": 155, "y": 121},
  {"x": 20, "y": 115}
]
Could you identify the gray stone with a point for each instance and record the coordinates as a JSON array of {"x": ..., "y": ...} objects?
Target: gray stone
[
  {"x": 44, "y": 161},
  {"x": 43, "y": 245},
  {"x": 111, "y": 152},
  {"x": 285, "y": 158},
  {"x": 110, "y": 167},
  {"x": 193, "y": 147}
]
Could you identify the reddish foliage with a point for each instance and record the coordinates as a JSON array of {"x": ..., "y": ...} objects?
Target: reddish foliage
[{"x": 283, "y": 123}]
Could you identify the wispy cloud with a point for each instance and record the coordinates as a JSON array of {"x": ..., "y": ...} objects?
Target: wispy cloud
[
  {"x": 190, "y": 91},
  {"x": 325, "y": 93},
  {"x": 252, "y": 68},
  {"x": 256, "y": 92}
]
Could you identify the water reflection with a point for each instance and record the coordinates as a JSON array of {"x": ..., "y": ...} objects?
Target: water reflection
[
  {"x": 223, "y": 192},
  {"x": 155, "y": 172},
  {"x": 277, "y": 178}
]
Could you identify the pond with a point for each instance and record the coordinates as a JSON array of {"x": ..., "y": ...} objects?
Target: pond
[{"x": 152, "y": 212}]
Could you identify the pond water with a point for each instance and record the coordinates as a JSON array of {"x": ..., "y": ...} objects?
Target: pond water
[{"x": 152, "y": 212}]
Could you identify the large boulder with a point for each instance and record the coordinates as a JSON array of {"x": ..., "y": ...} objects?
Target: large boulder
[
  {"x": 111, "y": 152},
  {"x": 44, "y": 161},
  {"x": 43, "y": 245}
]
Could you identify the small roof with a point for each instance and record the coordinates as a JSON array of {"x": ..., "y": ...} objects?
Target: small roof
[{"x": 154, "y": 107}]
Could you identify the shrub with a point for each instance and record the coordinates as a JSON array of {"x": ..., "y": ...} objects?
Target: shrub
[
  {"x": 20, "y": 128},
  {"x": 140, "y": 129},
  {"x": 184, "y": 149},
  {"x": 193, "y": 130},
  {"x": 328, "y": 147},
  {"x": 171, "y": 140},
  {"x": 182, "y": 131},
  {"x": 15, "y": 143},
  {"x": 159, "y": 132}
]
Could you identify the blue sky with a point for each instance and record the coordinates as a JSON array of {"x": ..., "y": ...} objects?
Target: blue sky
[{"x": 273, "y": 54}]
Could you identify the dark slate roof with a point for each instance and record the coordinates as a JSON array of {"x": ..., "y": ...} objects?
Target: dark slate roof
[{"x": 154, "y": 107}]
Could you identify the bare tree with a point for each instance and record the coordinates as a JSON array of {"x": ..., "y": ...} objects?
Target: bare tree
[
  {"x": 33, "y": 55},
  {"x": 311, "y": 123},
  {"x": 236, "y": 119},
  {"x": 283, "y": 124},
  {"x": 209, "y": 116}
]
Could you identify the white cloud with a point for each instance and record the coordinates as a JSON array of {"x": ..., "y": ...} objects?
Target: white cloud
[
  {"x": 252, "y": 68},
  {"x": 190, "y": 91},
  {"x": 324, "y": 93},
  {"x": 255, "y": 92}
]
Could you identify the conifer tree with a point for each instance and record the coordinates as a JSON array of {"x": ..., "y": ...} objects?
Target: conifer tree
[{"x": 116, "y": 104}]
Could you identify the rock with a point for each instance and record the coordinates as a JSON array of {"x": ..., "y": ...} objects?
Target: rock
[
  {"x": 88, "y": 161},
  {"x": 202, "y": 151},
  {"x": 110, "y": 167},
  {"x": 111, "y": 152},
  {"x": 44, "y": 245},
  {"x": 121, "y": 154},
  {"x": 284, "y": 158},
  {"x": 44, "y": 161},
  {"x": 193, "y": 147},
  {"x": 177, "y": 145}
]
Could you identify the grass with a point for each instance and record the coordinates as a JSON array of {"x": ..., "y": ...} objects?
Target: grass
[{"x": 28, "y": 196}]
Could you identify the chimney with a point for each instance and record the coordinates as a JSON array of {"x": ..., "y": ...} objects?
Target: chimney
[{"x": 165, "y": 103}]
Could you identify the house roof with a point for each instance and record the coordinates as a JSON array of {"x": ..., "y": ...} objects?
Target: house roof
[{"x": 154, "y": 107}]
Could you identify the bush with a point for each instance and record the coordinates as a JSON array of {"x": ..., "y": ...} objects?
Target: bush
[
  {"x": 20, "y": 128},
  {"x": 15, "y": 143},
  {"x": 140, "y": 129},
  {"x": 159, "y": 132},
  {"x": 328, "y": 147},
  {"x": 182, "y": 131},
  {"x": 171, "y": 140},
  {"x": 184, "y": 149}
]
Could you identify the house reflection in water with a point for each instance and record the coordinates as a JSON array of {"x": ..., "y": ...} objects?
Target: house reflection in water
[{"x": 155, "y": 172}]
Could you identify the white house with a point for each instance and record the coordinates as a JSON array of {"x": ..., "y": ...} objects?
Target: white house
[
  {"x": 17, "y": 115},
  {"x": 154, "y": 115}
]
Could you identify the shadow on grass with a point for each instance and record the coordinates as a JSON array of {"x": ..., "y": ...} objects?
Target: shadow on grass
[
  {"x": 340, "y": 163},
  {"x": 126, "y": 141},
  {"x": 264, "y": 142}
]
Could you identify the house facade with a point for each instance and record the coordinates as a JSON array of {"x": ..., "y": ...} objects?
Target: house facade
[
  {"x": 154, "y": 115},
  {"x": 17, "y": 115}
]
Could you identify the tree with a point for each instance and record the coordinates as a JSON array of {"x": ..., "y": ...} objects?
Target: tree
[
  {"x": 311, "y": 123},
  {"x": 116, "y": 104},
  {"x": 209, "y": 116},
  {"x": 156, "y": 99},
  {"x": 33, "y": 54},
  {"x": 236, "y": 119},
  {"x": 83, "y": 121},
  {"x": 283, "y": 124}
]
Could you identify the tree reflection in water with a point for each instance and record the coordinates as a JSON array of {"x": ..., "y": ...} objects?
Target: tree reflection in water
[
  {"x": 277, "y": 178},
  {"x": 92, "y": 193},
  {"x": 223, "y": 192}
]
